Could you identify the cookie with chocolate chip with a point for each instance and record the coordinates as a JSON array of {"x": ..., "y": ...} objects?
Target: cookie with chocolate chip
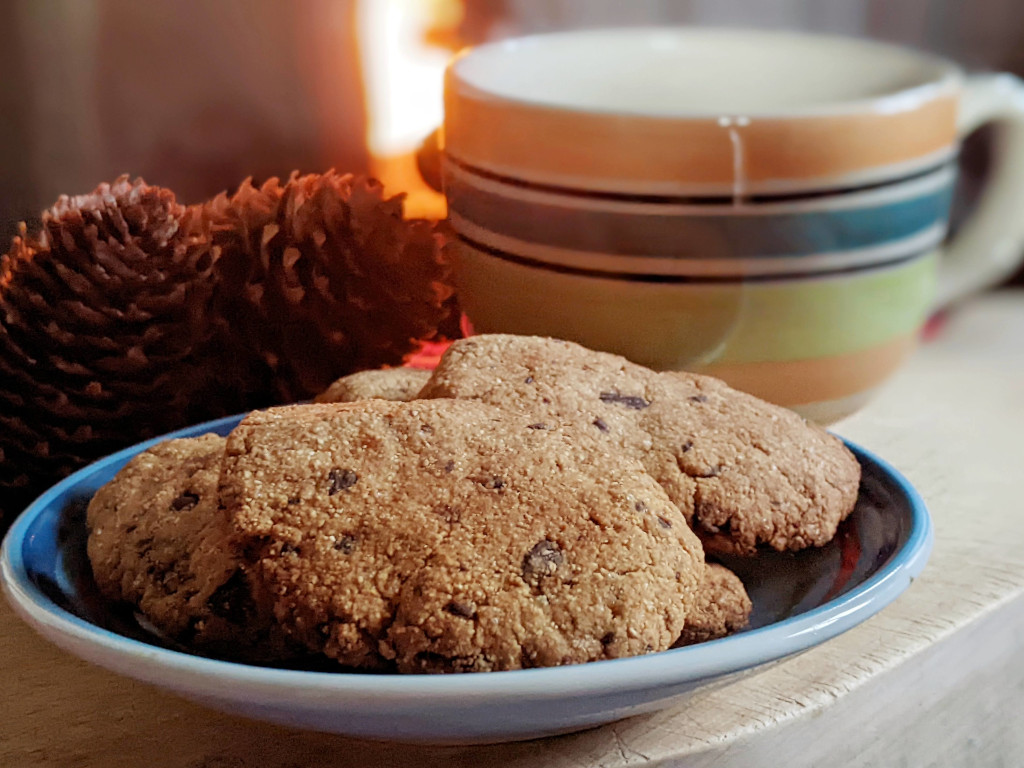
[
  {"x": 456, "y": 536},
  {"x": 400, "y": 384},
  {"x": 723, "y": 607},
  {"x": 744, "y": 472},
  {"x": 158, "y": 541}
]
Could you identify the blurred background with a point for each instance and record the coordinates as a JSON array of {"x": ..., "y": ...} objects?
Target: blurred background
[{"x": 196, "y": 95}]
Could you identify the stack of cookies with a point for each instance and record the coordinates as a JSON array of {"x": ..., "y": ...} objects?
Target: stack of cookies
[{"x": 529, "y": 503}]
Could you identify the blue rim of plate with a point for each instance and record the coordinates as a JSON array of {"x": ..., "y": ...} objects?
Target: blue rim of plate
[{"x": 688, "y": 664}]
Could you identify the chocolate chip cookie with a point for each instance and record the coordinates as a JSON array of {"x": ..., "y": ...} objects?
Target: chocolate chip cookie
[
  {"x": 722, "y": 608},
  {"x": 402, "y": 384},
  {"x": 158, "y": 541},
  {"x": 744, "y": 472},
  {"x": 456, "y": 536}
]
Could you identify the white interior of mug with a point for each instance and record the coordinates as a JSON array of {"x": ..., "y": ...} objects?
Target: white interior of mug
[{"x": 684, "y": 71}]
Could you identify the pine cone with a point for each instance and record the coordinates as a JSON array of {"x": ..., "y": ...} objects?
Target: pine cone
[
  {"x": 320, "y": 277},
  {"x": 129, "y": 315},
  {"x": 101, "y": 315}
]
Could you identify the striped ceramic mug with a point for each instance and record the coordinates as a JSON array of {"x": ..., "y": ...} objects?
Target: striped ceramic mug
[{"x": 767, "y": 208}]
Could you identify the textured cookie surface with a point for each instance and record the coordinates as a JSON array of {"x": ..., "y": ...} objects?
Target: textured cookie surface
[
  {"x": 744, "y": 472},
  {"x": 158, "y": 541},
  {"x": 402, "y": 384},
  {"x": 723, "y": 607},
  {"x": 456, "y": 536}
]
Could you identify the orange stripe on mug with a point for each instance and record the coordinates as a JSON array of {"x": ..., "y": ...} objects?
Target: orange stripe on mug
[
  {"x": 699, "y": 111},
  {"x": 798, "y": 382},
  {"x": 671, "y": 155}
]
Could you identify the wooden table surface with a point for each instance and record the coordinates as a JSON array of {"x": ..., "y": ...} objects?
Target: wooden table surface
[{"x": 935, "y": 679}]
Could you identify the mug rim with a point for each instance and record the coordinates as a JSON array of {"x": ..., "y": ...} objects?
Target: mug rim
[{"x": 947, "y": 75}]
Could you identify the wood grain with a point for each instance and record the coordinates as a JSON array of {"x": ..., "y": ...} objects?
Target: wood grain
[{"x": 935, "y": 679}]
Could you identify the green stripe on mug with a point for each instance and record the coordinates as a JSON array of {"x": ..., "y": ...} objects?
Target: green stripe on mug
[{"x": 671, "y": 326}]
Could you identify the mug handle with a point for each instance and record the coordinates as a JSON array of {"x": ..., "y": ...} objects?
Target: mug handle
[{"x": 990, "y": 244}]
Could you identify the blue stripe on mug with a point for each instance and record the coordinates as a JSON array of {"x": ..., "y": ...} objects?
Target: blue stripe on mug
[
  {"x": 828, "y": 224},
  {"x": 612, "y": 263}
]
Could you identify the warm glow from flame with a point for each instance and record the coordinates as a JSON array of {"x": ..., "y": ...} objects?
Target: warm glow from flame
[{"x": 403, "y": 77}]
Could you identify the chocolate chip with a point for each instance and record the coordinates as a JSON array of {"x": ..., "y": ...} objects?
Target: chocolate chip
[
  {"x": 686, "y": 446},
  {"x": 698, "y": 398},
  {"x": 464, "y": 610},
  {"x": 186, "y": 500},
  {"x": 640, "y": 506},
  {"x": 543, "y": 560},
  {"x": 710, "y": 471},
  {"x": 528, "y": 380},
  {"x": 232, "y": 600},
  {"x": 449, "y": 466},
  {"x": 600, "y": 424},
  {"x": 635, "y": 402},
  {"x": 608, "y": 639},
  {"x": 448, "y": 513},
  {"x": 538, "y": 425},
  {"x": 546, "y": 400},
  {"x": 664, "y": 522},
  {"x": 340, "y": 479},
  {"x": 346, "y": 544},
  {"x": 426, "y": 429},
  {"x": 493, "y": 483},
  {"x": 294, "y": 500}
]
